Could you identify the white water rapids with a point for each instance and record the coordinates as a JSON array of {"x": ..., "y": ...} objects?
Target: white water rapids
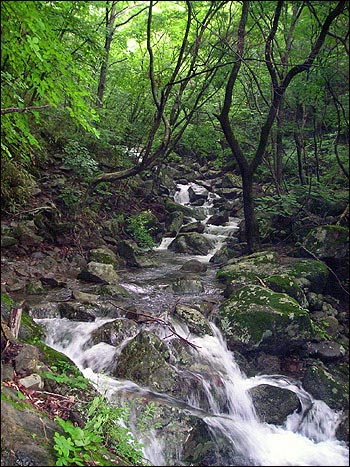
[{"x": 306, "y": 439}]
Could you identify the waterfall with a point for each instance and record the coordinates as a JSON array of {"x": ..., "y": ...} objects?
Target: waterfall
[
  {"x": 303, "y": 440},
  {"x": 223, "y": 402}
]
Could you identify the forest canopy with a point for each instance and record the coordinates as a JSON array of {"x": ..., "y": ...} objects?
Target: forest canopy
[{"x": 119, "y": 87}]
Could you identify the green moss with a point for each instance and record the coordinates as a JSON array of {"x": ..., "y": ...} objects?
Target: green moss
[
  {"x": 314, "y": 271},
  {"x": 284, "y": 283},
  {"x": 255, "y": 314}
]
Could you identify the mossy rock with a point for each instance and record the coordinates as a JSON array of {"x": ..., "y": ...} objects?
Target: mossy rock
[
  {"x": 256, "y": 318},
  {"x": 194, "y": 319},
  {"x": 325, "y": 386},
  {"x": 314, "y": 272},
  {"x": 144, "y": 360},
  {"x": 103, "y": 255},
  {"x": 284, "y": 283},
  {"x": 248, "y": 269}
]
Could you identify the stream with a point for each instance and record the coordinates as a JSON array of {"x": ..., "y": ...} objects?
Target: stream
[{"x": 220, "y": 400}]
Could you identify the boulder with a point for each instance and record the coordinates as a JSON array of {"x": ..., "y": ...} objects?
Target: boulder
[
  {"x": 323, "y": 385},
  {"x": 191, "y": 243},
  {"x": 99, "y": 273},
  {"x": 326, "y": 351},
  {"x": 256, "y": 318},
  {"x": 134, "y": 255},
  {"x": 194, "y": 319},
  {"x": 74, "y": 312},
  {"x": 113, "y": 333},
  {"x": 328, "y": 241},
  {"x": 187, "y": 286},
  {"x": 103, "y": 255},
  {"x": 175, "y": 220},
  {"x": 194, "y": 265},
  {"x": 192, "y": 227},
  {"x": 273, "y": 404}
]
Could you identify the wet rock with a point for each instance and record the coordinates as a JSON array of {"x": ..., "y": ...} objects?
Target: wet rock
[
  {"x": 135, "y": 256},
  {"x": 192, "y": 227},
  {"x": 310, "y": 274},
  {"x": 323, "y": 385},
  {"x": 74, "y": 312},
  {"x": 84, "y": 297},
  {"x": 114, "y": 290},
  {"x": 191, "y": 243},
  {"x": 114, "y": 332},
  {"x": 171, "y": 206},
  {"x": 194, "y": 319},
  {"x": 219, "y": 219},
  {"x": 99, "y": 273},
  {"x": 273, "y": 404},
  {"x": 144, "y": 360},
  {"x": 174, "y": 223},
  {"x": 194, "y": 265},
  {"x": 256, "y": 318},
  {"x": 187, "y": 286}
]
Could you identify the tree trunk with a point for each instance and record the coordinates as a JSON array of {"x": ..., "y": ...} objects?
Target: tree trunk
[
  {"x": 110, "y": 19},
  {"x": 279, "y": 151},
  {"x": 251, "y": 223}
]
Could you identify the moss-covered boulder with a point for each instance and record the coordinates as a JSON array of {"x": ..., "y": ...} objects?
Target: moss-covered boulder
[
  {"x": 134, "y": 255},
  {"x": 323, "y": 385},
  {"x": 172, "y": 206},
  {"x": 284, "y": 283},
  {"x": 249, "y": 269},
  {"x": 103, "y": 255},
  {"x": 256, "y": 318},
  {"x": 194, "y": 319},
  {"x": 328, "y": 241},
  {"x": 310, "y": 274},
  {"x": 113, "y": 333},
  {"x": 99, "y": 273}
]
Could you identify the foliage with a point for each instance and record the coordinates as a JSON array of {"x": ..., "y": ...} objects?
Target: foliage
[
  {"x": 16, "y": 184},
  {"x": 79, "y": 160},
  {"x": 139, "y": 226},
  {"x": 103, "y": 437}
]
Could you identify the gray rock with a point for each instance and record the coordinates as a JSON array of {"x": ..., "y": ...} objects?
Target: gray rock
[
  {"x": 273, "y": 404},
  {"x": 326, "y": 351},
  {"x": 32, "y": 381},
  {"x": 99, "y": 273}
]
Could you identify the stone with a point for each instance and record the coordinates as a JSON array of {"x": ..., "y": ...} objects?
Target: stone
[
  {"x": 191, "y": 243},
  {"x": 326, "y": 351},
  {"x": 256, "y": 318},
  {"x": 32, "y": 381},
  {"x": 103, "y": 255},
  {"x": 194, "y": 265},
  {"x": 84, "y": 297},
  {"x": 75, "y": 312},
  {"x": 99, "y": 273},
  {"x": 187, "y": 286},
  {"x": 194, "y": 319},
  {"x": 328, "y": 241},
  {"x": 273, "y": 404}
]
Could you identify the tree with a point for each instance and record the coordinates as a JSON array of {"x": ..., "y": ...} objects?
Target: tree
[{"x": 279, "y": 84}]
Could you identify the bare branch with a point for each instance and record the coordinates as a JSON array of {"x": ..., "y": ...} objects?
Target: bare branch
[{"x": 10, "y": 110}]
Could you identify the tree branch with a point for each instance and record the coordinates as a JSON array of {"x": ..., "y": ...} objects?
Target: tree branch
[{"x": 10, "y": 110}]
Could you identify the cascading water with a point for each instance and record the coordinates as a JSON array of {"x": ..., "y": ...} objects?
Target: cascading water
[{"x": 220, "y": 399}]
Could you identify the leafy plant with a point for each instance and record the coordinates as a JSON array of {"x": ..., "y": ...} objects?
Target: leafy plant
[
  {"x": 140, "y": 227},
  {"x": 79, "y": 160},
  {"x": 104, "y": 435}
]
